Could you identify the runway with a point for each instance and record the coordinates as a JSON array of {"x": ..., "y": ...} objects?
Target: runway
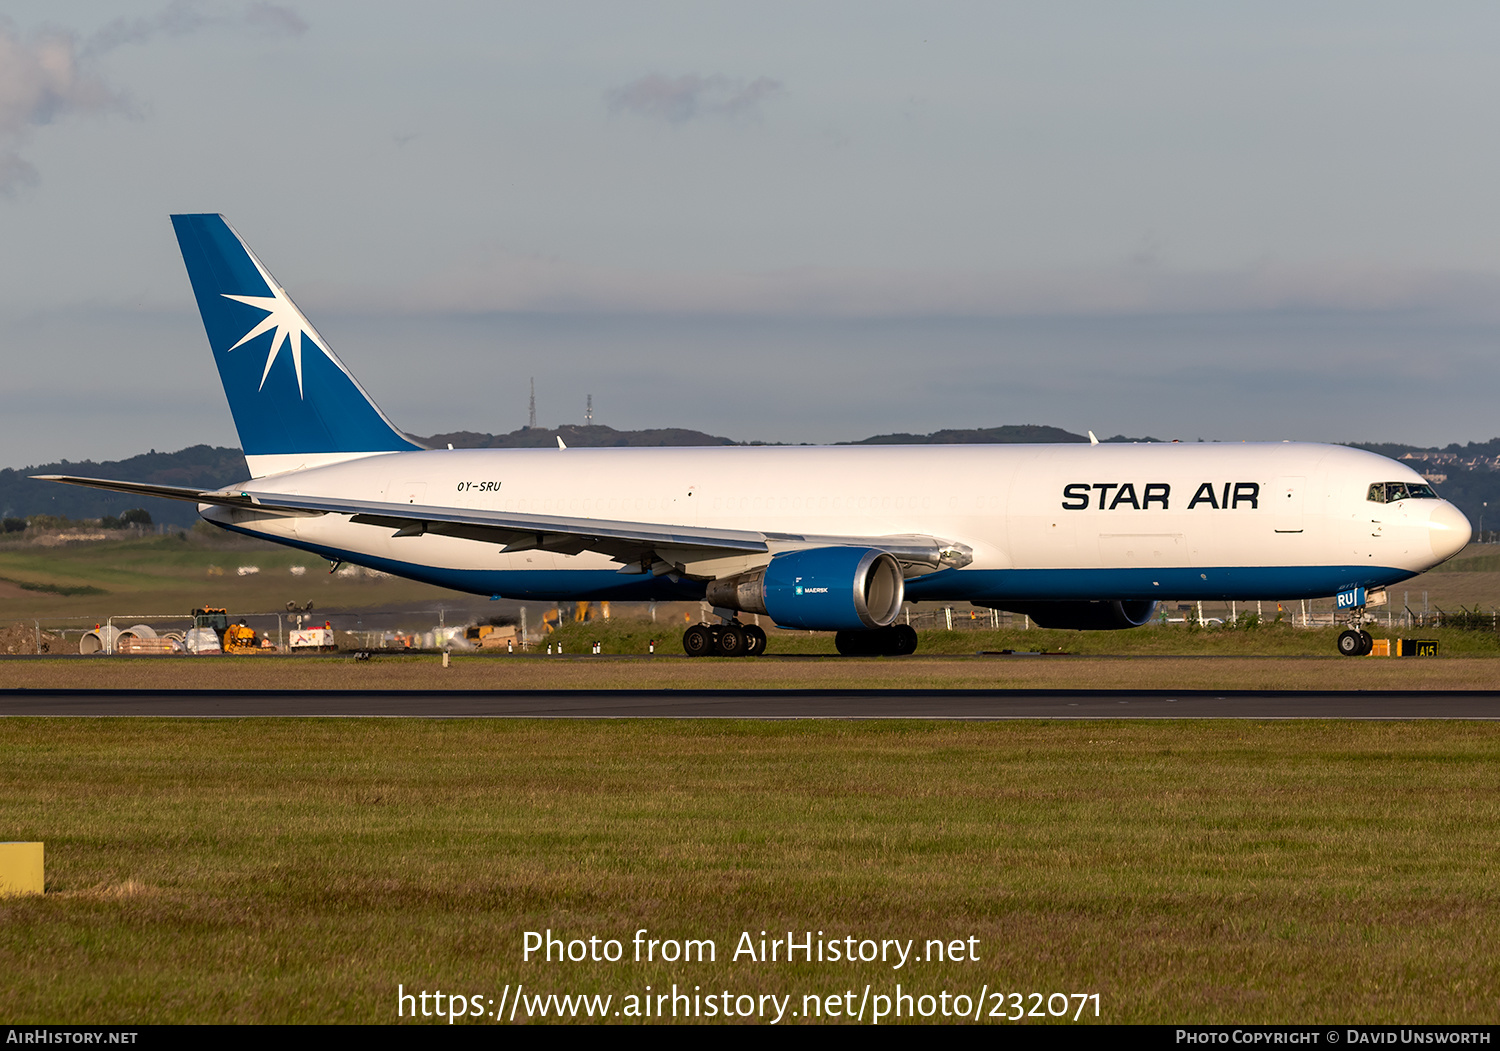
[{"x": 755, "y": 704}]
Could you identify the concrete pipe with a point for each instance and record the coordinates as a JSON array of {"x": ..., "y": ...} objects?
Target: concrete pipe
[{"x": 100, "y": 640}]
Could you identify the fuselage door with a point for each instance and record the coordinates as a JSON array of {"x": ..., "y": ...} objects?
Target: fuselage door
[{"x": 1286, "y": 498}]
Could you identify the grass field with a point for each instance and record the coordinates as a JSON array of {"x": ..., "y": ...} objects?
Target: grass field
[
  {"x": 285, "y": 870},
  {"x": 468, "y": 672},
  {"x": 632, "y": 637},
  {"x": 172, "y": 575}
]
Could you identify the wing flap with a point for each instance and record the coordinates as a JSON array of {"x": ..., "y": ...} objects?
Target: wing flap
[
  {"x": 517, "y": 523},
  {"x": 651, "y": 546}
]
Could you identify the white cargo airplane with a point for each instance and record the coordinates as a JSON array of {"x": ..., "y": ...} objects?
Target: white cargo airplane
[{"x": 821, "y": 538}]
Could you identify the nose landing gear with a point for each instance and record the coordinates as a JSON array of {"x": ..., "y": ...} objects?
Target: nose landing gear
[{"x": 1355, "y": 643}]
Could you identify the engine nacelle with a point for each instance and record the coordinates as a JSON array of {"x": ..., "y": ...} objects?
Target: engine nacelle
[
  {"x": 1085, "y": 616},
  {"x": 820, "y": 589}
]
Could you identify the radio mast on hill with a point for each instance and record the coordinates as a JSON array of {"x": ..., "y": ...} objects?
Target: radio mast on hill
[
  {"x": 588, "y": 412},
  {"x": 531, "y": 425}
]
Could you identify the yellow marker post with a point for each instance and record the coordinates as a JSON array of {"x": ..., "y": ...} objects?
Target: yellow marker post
[{"x": 20, "y": 869}]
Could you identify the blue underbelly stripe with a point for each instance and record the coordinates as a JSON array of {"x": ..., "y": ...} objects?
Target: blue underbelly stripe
[
  {"x": 1217, "y": 582},
  {"x": 951, "y": 585}
]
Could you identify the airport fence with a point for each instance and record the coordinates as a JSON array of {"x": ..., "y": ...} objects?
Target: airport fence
[
  {"x": 1291, "y": 613},
  {"x": 63, "y": 634}
]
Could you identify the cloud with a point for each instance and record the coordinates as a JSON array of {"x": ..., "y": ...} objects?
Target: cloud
[
  {"x": 182, "y": 17},
  {"x": 42, "y": 79},
  {"x": 678, "y": 100},
  {"x": 47, "y": 75},
  {"x": 275, "y": 20}
]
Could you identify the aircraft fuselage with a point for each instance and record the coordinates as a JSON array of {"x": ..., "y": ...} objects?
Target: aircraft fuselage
[{"x": 1109, "y": 521}]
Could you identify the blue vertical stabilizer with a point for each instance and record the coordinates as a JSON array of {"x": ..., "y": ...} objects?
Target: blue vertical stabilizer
[{"x": 289, "y": 393}]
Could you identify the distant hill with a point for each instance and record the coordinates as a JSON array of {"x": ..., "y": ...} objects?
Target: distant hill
[
  {"x": 599, "y": 437},
  {"x": 593, "y": 437},
  {"x": 207, "y": 467},
  {"x": 1471, "y": 451},
  {"x": 1014, "y": 434}
]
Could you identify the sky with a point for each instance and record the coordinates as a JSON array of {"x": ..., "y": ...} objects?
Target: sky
[{"x": 769, "y": 221}]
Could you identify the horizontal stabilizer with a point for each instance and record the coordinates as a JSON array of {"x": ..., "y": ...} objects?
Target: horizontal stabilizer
[{"x": 165, "y": 492}]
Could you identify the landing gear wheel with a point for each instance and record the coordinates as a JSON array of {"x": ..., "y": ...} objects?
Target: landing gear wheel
[
  {"x": 697, "y": 641},
  {"x": 755, "y": 640},
  {"x": 731, "y": 641},
  {"x": 1352, "y": 644},
  {"x": 1369, "y": 643},
  {"x": 850, "y": 643},
  {"x": 898, "y": 640},
  {"x": 902, "y": 640}
]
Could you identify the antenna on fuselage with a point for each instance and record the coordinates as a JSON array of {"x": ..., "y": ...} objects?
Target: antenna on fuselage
[{"x": 1092, "y": 439}]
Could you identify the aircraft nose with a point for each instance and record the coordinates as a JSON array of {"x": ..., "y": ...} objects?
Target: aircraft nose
[{"x": 1448, "y": 531}]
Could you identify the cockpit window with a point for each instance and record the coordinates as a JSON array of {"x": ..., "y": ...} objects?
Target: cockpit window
[{"x": 1390, "y": 492}]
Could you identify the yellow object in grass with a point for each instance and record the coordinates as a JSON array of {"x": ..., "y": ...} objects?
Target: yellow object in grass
[{"x": 20, "y": 869}]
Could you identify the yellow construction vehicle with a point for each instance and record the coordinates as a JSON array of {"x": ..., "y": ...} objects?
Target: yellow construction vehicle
[
  {"x": 240, "y": 639},
  {"x": 233, "y": 638},
  {"x": 492, "y": 636}
]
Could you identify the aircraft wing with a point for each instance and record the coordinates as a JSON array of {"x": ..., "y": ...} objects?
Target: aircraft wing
[
  {"x": 642, "y": 546},
  {"x": 166, "y": 492}
]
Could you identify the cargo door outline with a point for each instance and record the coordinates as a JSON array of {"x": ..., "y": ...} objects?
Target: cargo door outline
[{"x": 1143, "y": 551}]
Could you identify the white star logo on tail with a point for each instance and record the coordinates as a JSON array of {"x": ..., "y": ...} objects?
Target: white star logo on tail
[{"x": 290, "y": 325}]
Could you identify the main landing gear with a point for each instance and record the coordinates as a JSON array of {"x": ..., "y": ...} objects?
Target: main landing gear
[
  {"x": 748, "y": 640},
  {"x": 724, "y": 640},
  {"x": 898, "y": 640}
]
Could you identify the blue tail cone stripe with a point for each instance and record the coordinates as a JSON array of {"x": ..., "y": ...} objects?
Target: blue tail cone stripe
[{"x": 275, "y": 411}]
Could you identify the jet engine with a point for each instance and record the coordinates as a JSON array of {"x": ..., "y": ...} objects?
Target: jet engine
[
  {"x": 820, "y": 589},
  {"x": 1084, "y": 616}
]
